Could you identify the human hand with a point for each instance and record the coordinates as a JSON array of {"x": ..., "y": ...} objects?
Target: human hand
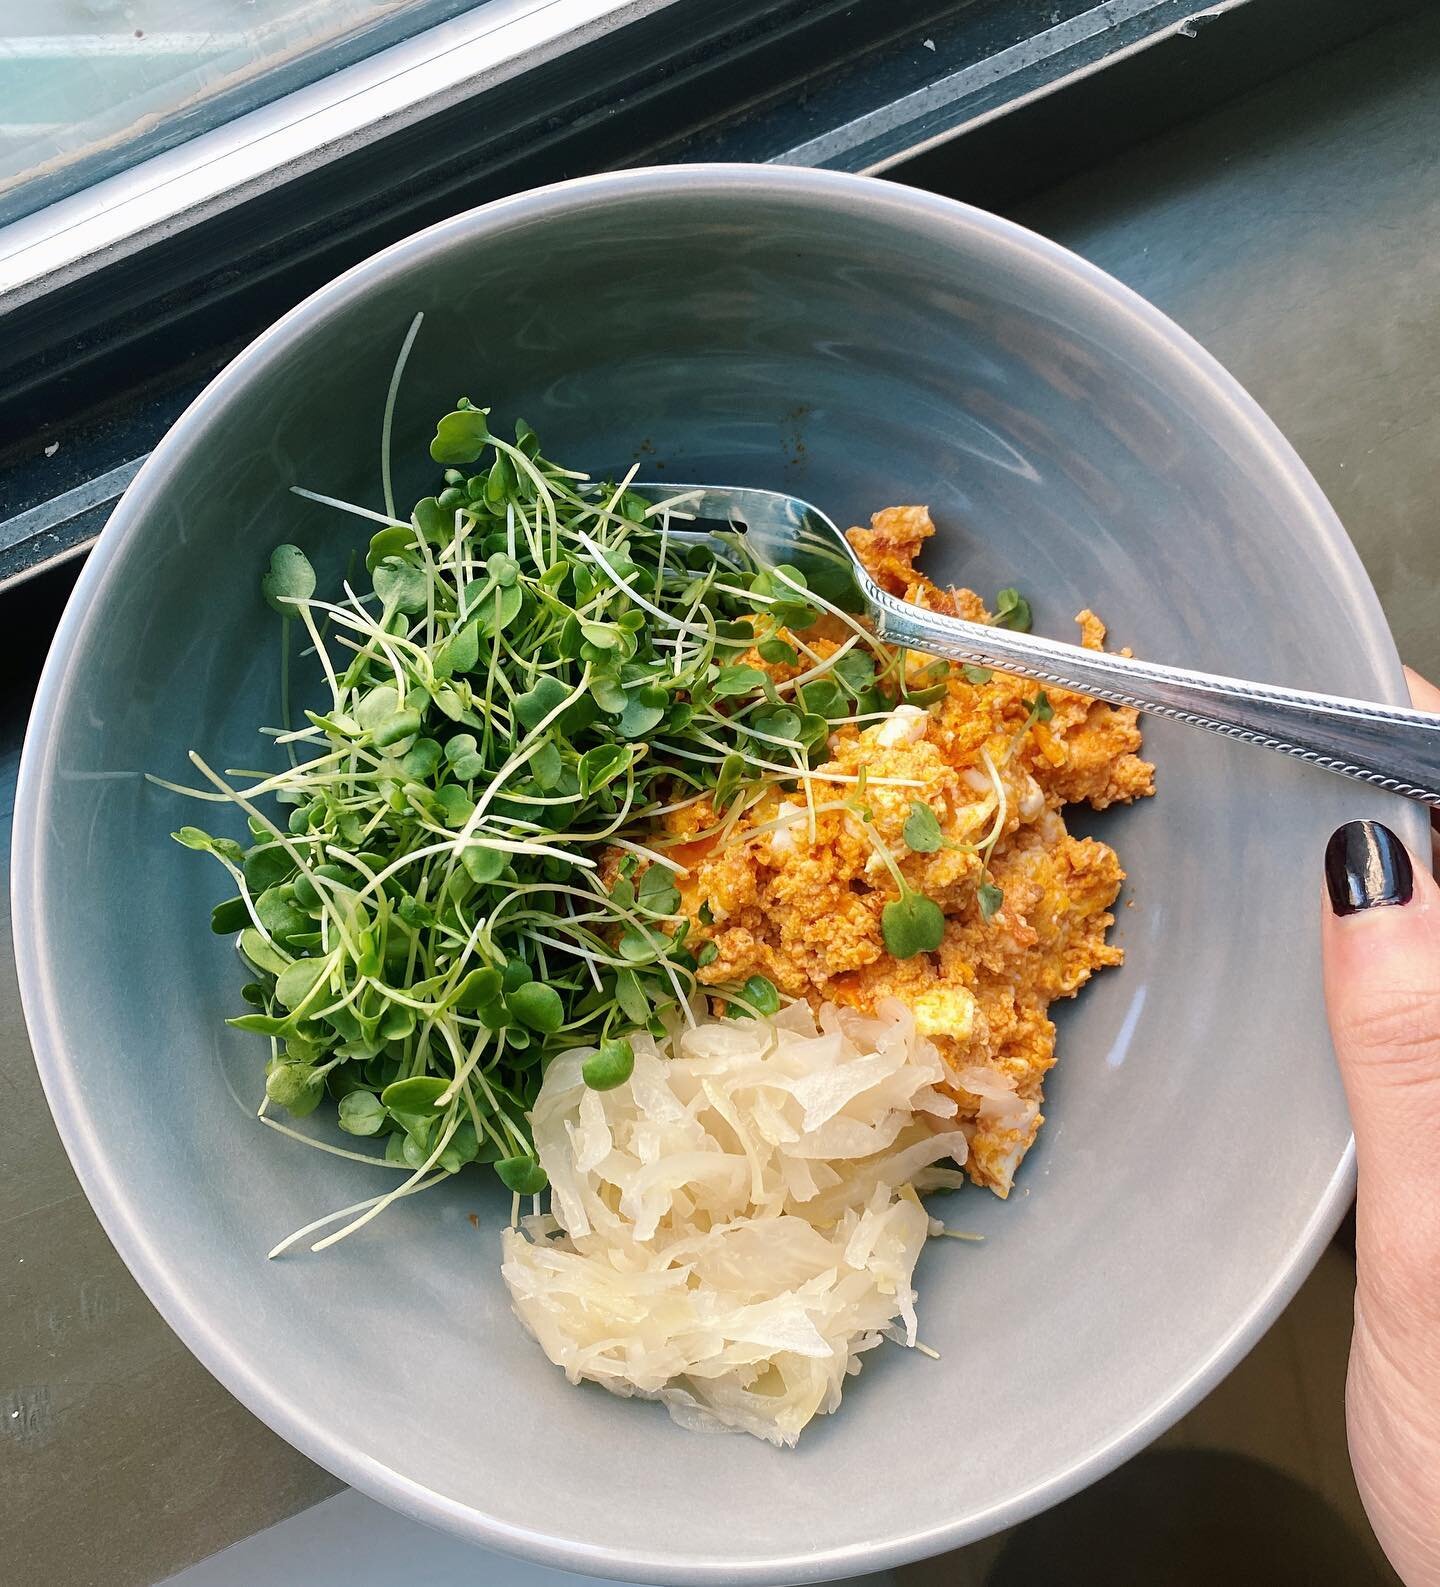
[{"x": 1381, "y": 940}]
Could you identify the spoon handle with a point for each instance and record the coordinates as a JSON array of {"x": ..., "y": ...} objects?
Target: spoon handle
[{"x": 1395, "y": 749}]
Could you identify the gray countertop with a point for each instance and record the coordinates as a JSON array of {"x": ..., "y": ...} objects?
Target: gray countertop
[{"x": 1294, "y": 233}]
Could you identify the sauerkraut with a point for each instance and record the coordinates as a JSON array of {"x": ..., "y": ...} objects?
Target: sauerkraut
[{"x": 735, "y": 1225}]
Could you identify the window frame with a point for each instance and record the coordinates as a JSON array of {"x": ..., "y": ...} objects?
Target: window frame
[
  {"x": 292, "y": 133},
  {"x": 987, "y": 100}
]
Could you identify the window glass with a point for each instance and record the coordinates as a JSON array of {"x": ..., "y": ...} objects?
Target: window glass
[{"x": 89, "y": 87}]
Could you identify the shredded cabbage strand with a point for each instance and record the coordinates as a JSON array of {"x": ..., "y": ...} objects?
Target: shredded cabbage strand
[{"x": 736, "y": 1224}]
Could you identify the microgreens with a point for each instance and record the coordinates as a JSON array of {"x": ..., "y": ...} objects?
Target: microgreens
[
  {"x": 539, "y": 667},
  {"x": 1012, "y": 610},
  {"x": 922, "y": 830},
  {"x": 912, "y": 924},
  {"x": 610, "y": 1066},
  {"x": 1041, "y": 709},
  {"x": 990, "y": 898}
]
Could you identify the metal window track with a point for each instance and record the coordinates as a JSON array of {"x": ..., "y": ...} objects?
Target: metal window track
[{"x": 202, "y": 247}]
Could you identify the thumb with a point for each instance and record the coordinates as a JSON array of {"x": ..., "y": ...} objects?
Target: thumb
[
  {"x": 1381, "y": 940},
  {"x": 1382, "y": 987}
]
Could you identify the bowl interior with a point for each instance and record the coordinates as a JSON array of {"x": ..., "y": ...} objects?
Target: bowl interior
[{"x": 861, "y": 346}]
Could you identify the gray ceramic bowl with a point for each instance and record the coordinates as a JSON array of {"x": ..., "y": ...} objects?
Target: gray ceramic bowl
[{"x": 861, "y": 344}]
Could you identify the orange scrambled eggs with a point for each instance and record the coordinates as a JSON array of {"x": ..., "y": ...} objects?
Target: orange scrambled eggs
[{"x": 801, "y": 902}]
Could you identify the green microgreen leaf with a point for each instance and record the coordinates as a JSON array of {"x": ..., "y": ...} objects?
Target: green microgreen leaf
[
  {"x": 603, "y": 765},
  {"x": 194, "y": 838},
  {"x": 824, "y": 697},
  {"x": 290, "y": 579},
  {"x": 759, "y": 995},
  {"x": 537, "y": 703},
  {"x": 632, "y": 1000},
  {"x": 466, "y": 761},
  {"x": 479, "y": 988},
  {"x": 229, "y": 917},
  {"x": 260, "y": 1024},
  {"x": 638, "y": 945},
  {"x": 482, "y": 863},
  {"x": 454, "y": 804},
  {"x": 422, "y": 758},
  {"x": 460, "y": 437},
  {"x": 418, "y": 1095},
  {"x": 497, "y": 610},
  {"x": 361, "y": 1113},
  {"x": 399, "y": 725},
  {"x": 727, "y": 784},
  {"x": 855, "y": 670},
  {"x": 433, "y": 522},
  {"x": 538, "y": 1006},
  {"x": 545, "y": 767},
  {"x": 922, "y": 829},
  {"x": 611, "y": 1066},
  {"x": 505, "y": 570},
  {"x": 499, "y": 482},
  {"x": 608, "y": 691},
  {"x": 601, "y": 635},
  {"x": 657, "y": 892},
  {"x": 464, "y": 1148},
  {"x": 388, "y": 543},
  {"x": 263, "y": 955},
  {"x": 459, "y": 653},
  {"x": 778, "y": 653},
  {"x": 912, "y": 924},
  {"x": 737, "y": 680},
  {"x": 297, "y": 984},
  {"x": 522, "y": 1175},
  {"x": 644, "y": 711},
  {"x": 1012, "y": 610},
  {"x": 266, "y": 866},
  {"x": 295, "y": 1087}
]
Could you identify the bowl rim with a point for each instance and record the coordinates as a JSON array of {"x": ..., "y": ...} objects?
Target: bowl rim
[{"x": 185, "y": 1312}]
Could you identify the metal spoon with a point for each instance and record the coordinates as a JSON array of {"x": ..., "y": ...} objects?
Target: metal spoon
[{"x": 1395, "y": 749}]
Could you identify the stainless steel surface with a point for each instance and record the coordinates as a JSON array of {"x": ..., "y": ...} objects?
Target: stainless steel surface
[
  {"x": 1396, "y": 749},
  {"x": 1038, "y": 406}
]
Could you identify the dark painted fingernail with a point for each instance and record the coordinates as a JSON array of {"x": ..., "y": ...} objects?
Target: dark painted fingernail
[{"x": 1366, "y": 865}]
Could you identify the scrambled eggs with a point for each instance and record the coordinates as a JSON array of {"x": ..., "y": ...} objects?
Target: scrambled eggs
[{"x": 795, "y": 889}]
